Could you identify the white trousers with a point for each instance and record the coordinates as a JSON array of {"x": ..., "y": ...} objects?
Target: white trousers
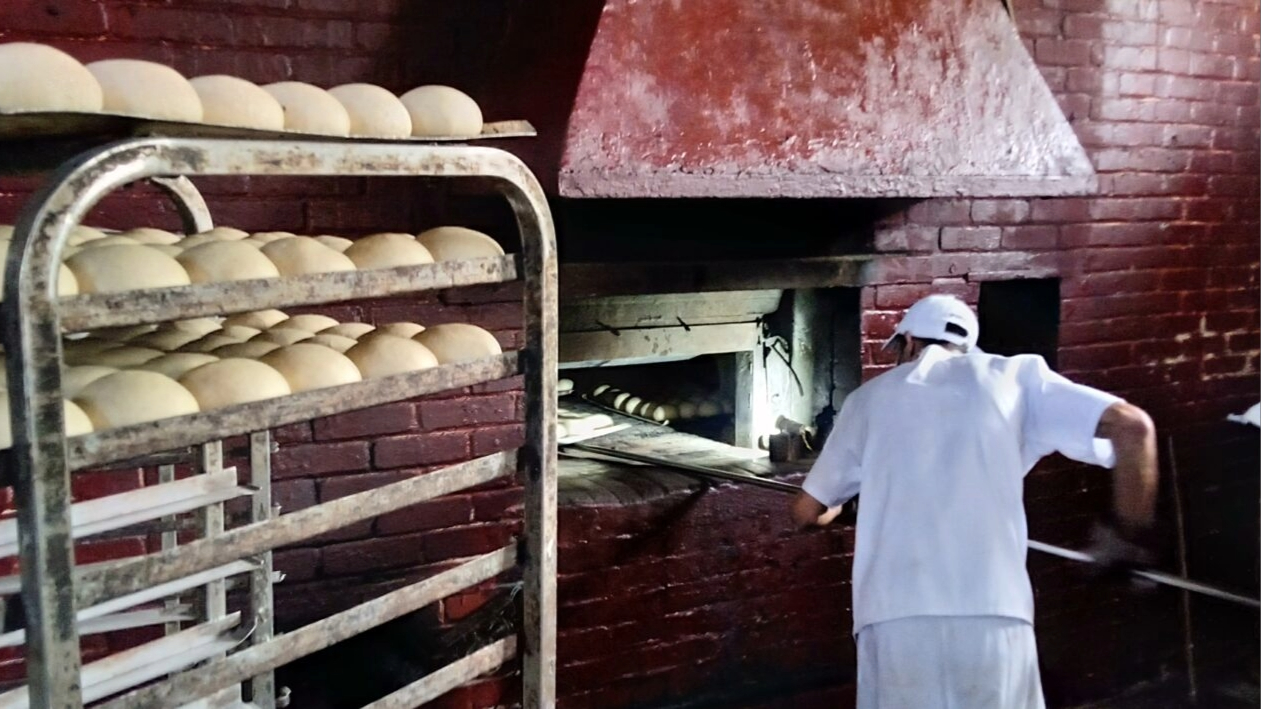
[{"x": 949, "y": 662}]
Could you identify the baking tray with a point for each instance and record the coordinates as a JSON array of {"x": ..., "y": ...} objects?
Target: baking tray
[{"x": 25, "y": 125}]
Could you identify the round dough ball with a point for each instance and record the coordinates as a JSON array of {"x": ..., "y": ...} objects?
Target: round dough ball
[
  {"x": 126, "y": 356},
  {"x": 295, "y": 257},
  {"x": 599, "y": 390},
  {"x": 259, "y": 319},
  {"x": 240, "y": 332},
  {"x": 336, "y": 243},
  {"x": 708, "y": 408},
  {"x": 620, "y": 400},
  {"x": 134, "y": 87},
  {"x": 111, "y": 269},
  {"x": 687, "y": 410},
  {"x": 283, "y": 335},
  {"x": 307, "y": 366},
  {"x": 457, "y": 342},
  {"x": 388, "y": 251},
  {"x": 134, "y": 396},
  {"x": 353, "y": 330},
  {"x": 76, "y": 421},
  {"x": 175, "y": 364},
  {"x": 252, "y": 349},
  {"x": 224, "y": 233},
  {"x": 209, "y": 343},
  {"x": 226, "y": 261},
  {"x": 74, "y": 379},
  {"x": 165, "y": 340},
  {"x": 374, "y": 112},
  {"x": 668, "y": 412},
  {"x": 337, "y": 343},
  {"x": 111, "y": 240},
  {"x": 456, "y": 243},
  {"x": 171, "y": 250},
  {"x": 266, "y": 237},
  {"x": 311, "y": 322},
  {"x": 122, "y": 333},
  {"x": 67, "y": 284},
  {"x": 400, "y": 329},
  {"x": 229, "y": 101},
  {"x": 233, "y": 381},
  {"x": 310, "y": 109},
  {"x": 442, "y": 111},
  {"x": 35, "y": 77},
  {"x": 83, "y": 234},
  {"x": 384, "y": 355},
  {"x": 147, "y": 235},
  {"x": 197, "y": 326}
]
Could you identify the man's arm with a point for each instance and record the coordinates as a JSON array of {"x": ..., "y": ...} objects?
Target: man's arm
[{"x": 1136, "y": 477}]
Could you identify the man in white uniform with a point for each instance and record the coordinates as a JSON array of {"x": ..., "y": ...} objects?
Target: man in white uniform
[{"x": 939, "y": 447}]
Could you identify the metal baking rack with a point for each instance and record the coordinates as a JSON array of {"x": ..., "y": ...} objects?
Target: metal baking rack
[{"x": 223, "y": 659}]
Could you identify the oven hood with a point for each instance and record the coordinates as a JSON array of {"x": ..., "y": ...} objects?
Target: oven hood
[{"x": 815, "y": 98}]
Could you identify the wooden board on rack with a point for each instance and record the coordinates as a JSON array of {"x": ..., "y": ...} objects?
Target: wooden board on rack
[{"x": 63, "y": 124}]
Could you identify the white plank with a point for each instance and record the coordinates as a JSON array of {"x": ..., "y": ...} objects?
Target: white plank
[{"x": 135, "y": 506}]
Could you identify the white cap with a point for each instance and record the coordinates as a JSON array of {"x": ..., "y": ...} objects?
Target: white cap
[{"x": 930, "y": 317}]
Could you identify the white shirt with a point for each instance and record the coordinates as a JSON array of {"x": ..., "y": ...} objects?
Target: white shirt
[{"x": 939, "y": 448}]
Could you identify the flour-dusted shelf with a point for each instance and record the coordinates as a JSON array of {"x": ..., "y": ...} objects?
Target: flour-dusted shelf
[{"x": 207, "y": 661}]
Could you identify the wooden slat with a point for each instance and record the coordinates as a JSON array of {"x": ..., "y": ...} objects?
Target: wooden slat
[
  {"x": 131, "y": 441},
  {"x": 115, "y": 621},
  {"x": 462, "y": 671},
  {"x": 135, "y": 506},
  {"x": 130, "y": 575},
  {"x": 98, "y": 310},
  {"x": 120, "y": 671},
  {"x": 311, "y": 638}
]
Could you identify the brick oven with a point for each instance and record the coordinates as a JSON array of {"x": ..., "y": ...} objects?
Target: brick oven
[{"x": 675, "y": 592}]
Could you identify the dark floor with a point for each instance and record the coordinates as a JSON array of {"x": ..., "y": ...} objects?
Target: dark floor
[{"x": 1175, "y": 696}]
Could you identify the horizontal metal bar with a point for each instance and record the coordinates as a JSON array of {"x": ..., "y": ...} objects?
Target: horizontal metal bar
[
  {"x": 114, "y": 621},
  {"x": 130, "y": 441},
  {"x": 120, "y": 671},
  {"x": 94, "y": 311},
  {"x": 135, "y": 506},
  {"x": 318, "y": 635},
  {"x": 131, "y": 575},
  {"x": 460, "y": 672},
  {"x": 1153, "y": 576}
]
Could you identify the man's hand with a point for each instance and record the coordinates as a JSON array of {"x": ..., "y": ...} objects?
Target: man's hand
[
  {"x": 809, "y": 512},
  {"x": 1117, "y": 553}
]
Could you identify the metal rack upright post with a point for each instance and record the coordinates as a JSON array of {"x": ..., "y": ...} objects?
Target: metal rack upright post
[{"x": 54, "y": 590}]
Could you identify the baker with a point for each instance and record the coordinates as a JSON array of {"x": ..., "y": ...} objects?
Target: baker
[{"x": 939, "y": 447}]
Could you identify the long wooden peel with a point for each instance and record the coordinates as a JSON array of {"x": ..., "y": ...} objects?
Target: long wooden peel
[{"x": 750, "y": 479}]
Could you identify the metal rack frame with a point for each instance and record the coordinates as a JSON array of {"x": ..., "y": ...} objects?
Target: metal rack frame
[{"x": 34, "y": 318}]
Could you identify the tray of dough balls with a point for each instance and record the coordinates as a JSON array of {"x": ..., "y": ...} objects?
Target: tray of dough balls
[
  {"x": 249, "y": 372},
  {"x": 281, "y": 268},
  {"x": 45, "y": 92}
]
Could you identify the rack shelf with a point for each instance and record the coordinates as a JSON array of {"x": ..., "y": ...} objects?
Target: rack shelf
[
  {"x": 96, "y": 449},
  {"x": 241, "y": 652},
  {"x": 90, "y": 312}
]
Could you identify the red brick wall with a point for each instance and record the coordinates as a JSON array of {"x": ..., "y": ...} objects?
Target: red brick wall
[{"x": 689, "y": 596}]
